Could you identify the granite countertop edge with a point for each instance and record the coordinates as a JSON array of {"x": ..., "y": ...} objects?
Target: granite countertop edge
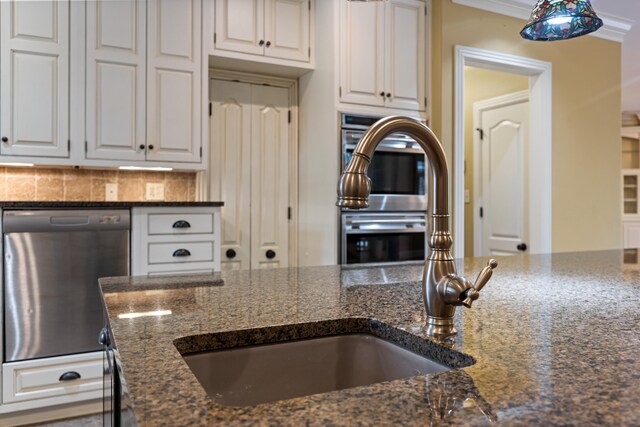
[{"x": 101, "y": 205}]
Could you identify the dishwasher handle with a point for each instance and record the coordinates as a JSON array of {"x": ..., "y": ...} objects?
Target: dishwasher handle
[{"x": 65, "y": 220}]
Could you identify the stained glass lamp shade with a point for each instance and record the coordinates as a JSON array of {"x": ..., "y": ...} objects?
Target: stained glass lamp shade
[{"x": 560, "y": 20}]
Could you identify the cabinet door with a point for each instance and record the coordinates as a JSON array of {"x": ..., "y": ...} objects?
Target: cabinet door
[
  {"x": 269, "y": 177},
  {"x": 631, "y": 237},
  {"x": 405, "y": 72},
  {"x": 230, "y": 169},
  {"x": 116, "y": 79},
  {"x": 286, "y": 30},
  {"x": 239, "y": 26},
  {"x": 362, "y": 52},
  {"x": 174, "y": 98},
  {"x": 34, "y": 78}
]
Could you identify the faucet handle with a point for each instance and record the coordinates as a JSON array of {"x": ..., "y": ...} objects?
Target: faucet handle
[{"x": 472, "y": 294}]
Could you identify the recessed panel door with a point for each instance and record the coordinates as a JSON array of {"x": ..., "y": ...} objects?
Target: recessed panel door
[
  {"x": 286, "y": 31},
  {"x": 269, "y": 177},
  {"x": 240, "y": 26},
  {"x": 34, "y": 78}
]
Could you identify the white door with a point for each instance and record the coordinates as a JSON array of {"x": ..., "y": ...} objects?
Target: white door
[
  {"x": 230, "y": 169},
  {"x": 269, "y": 177},
  {"x": 249, "y": 171},
  {"x": 116, "y": 80},
  {"x": 239, "y": 26},
  {"x": 286, "y": 29},
  {"x": 34, "y": 78},
  {"x": 174, "y": 98},
  {"x": 501, "y": 207},
  {"x": 362, "y": 53},
  {"x": 405, "y": 54}
]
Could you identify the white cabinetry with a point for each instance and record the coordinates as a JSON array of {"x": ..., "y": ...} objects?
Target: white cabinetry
[
  {"x": 144, "y": 80},
  {"x": 631, "y": 187},
  {"x": 250, "y": 139},
  {"x": 167, "y": 240},
  {"x": 271, "y": 31},
  {"x": 383, "y": 54},
  {"x": 34, "y": 78}
]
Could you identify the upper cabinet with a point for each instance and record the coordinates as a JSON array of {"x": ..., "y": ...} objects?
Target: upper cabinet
[
  {"x": 274, "y": 32},
  {"x": 144, "y": 80},
  {"x": 34, "y": 78},
  {"x": 383, "y": 54},
  {"x": 129, "y": 88}
]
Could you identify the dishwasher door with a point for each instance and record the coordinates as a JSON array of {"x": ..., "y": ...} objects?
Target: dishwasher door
[{"x": 53, "y": 260}]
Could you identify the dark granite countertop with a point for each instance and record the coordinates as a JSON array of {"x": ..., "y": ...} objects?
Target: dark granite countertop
[
  {"x": 555, "y": 340},
  {"x": 99, "y": 205}
]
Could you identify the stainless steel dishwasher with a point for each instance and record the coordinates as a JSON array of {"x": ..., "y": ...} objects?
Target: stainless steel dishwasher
[{"x": 52, "y": 262}]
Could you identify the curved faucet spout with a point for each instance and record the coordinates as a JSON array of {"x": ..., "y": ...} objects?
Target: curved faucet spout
[{"x": 353, "y": 192}]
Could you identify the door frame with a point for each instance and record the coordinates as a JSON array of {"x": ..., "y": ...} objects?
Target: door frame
[
  {"x": 202, "y": 181},
  {"x": 478, "y": 108},
  {"x": 540, "y": 131}
]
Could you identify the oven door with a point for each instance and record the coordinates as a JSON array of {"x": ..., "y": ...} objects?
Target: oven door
[
  {"x": 376, "y": 238},
  {"x": 397, "y": 171}
]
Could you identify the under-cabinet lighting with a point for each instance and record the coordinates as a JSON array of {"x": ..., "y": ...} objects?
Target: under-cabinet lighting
[
  {"x": 144, "y": 168},
  {"x": 144, "y": 314},
  {"x": 17, "y": 164}
]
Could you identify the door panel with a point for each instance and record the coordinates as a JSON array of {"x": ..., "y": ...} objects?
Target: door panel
[
  {"x": 34, "y": 80},
  {"x": 287, "y": 29},
  {"x": 116, "y": 75},
  {"x": 230, "y": 167},
  {"x": 270, "y": 177},
  {"x": 174, "y": 81},
  {"x": 504, "y": 185},
  {"x": 240, "y": 25}
]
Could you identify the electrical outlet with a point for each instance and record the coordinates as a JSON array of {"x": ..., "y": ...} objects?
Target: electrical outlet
[
  {"x": 111, "y": 192},
  {"x": 155, "y": 191}
]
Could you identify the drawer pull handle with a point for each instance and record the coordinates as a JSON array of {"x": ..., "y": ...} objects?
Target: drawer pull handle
[
  {"x": 69, "y": 376},
  {"x": 181, "y": 252},
  {"x": 181, "y": 224}
]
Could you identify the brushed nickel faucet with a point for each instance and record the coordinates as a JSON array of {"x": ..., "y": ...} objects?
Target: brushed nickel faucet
[{"x": 442, "y": 289}]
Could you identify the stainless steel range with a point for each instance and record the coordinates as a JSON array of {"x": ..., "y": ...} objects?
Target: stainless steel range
[{"x": 393, "y": 228}]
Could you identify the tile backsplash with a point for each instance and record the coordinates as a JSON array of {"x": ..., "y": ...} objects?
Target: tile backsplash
[{"x": 67, "y": 184}]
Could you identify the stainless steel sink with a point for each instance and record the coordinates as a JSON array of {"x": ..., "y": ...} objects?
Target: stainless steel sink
[{"x": 255, "y": 374}]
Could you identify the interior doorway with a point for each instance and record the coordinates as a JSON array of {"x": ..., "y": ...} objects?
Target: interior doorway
[{"x": 536, "y": 75}]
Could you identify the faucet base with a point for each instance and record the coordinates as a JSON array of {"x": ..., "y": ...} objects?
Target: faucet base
[{"x": 440, "y": 327}]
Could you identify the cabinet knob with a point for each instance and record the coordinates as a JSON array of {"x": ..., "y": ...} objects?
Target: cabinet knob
[
  {"x": 382, "y": 94},
  {"x": 142, "y": 146},
  {"x": 261, "y": 43},
  {"x": 268, "y": 44},
  {"x": 181, "y": 224},
  {"x": 5, "y": 139},
  {"x": 270, "y": 254},
  {"x": 181, "y": 252},
  {"x": 388, "y": 95},
  {"x": 151, "y": 147},
  {"x": 69, "y": 376},
  {"x": 230, "y": 253},
  {"x": 522, "y": 247}
]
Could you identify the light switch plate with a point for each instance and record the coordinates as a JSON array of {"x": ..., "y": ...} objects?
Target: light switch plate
[
  {"x": 155, "y": 191},
  {"x": 111, "y": 192}
]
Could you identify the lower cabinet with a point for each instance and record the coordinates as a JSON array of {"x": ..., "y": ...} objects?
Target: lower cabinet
[
  {"x": 167, "y": 240},
  {"x": 631, "y": 234},
  {"x": 53, "y": 380}
]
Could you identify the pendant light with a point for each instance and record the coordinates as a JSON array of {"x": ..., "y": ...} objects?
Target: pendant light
[{"x": 560, "y": 20}]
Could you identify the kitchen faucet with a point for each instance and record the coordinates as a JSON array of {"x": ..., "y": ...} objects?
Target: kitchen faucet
[{"x": 442, "y": 289}]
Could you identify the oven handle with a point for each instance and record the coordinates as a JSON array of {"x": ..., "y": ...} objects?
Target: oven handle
[
  {"x": 382, "y": 147},
  {"x": 387, "y": 221},
  {"x": 385, "y": 230}
]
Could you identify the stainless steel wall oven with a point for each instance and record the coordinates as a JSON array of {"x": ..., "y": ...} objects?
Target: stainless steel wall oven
[{"x": 393, "y": 228}]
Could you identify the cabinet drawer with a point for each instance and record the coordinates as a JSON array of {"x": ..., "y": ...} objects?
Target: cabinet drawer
[
  {"x": 181, "y": 223},
  {"x": 40, "y": 378},
  {"x": 173, "y": 252}
]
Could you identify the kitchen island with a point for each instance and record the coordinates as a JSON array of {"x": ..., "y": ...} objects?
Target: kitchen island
[{"x": 555, "y": 340}]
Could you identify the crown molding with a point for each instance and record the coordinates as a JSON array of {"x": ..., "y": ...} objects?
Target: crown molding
[{"x": 614, "y": 28}]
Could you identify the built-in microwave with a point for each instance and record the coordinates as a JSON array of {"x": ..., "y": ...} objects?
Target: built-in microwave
[{"x": 398, "y": 170}]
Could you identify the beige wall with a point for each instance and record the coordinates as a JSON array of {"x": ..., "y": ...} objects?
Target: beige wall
[
  {"x": 66, "y": 184},
  {"x": 586, "y": 117},
  {"x": 479, "y": 85}
]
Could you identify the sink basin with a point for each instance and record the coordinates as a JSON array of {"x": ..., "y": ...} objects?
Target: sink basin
[{"x": 251, "y": 374}]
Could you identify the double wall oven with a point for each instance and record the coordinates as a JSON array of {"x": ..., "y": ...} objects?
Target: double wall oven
[{"x": 394, "y": 226}]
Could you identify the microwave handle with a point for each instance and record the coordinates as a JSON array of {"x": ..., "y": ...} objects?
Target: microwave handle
[
  {"x": 365, "y": 231},
  {"x": 386, "y": 221}
]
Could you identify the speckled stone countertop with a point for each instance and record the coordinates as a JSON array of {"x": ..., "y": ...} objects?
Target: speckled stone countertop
[
  {"x": 99, "y": 205},
  {"x": 555, "y": 340}
]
